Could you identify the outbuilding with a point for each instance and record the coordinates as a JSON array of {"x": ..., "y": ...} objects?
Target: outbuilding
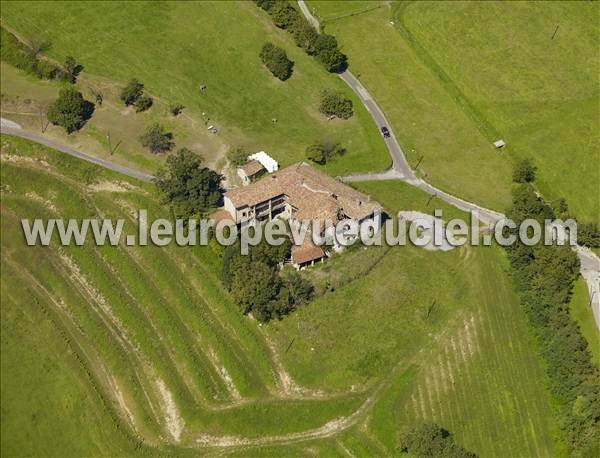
[
  {"x": 250, "y": 171},
  {"x": 267, "y": 161},
  {"x": 306, "y": 254}
]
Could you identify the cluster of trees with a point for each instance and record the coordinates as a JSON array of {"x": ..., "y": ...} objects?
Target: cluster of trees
[
  {"x": 431, "y": 440},
  {"x": 323, "y": 46},
  {"x": 259, "y": 286},
  {"x": 323, "y": 151},
  {"x": 276, "y": 60},
  {"x": 70, "y": 110},
  {"x": 187, "y": 186},
  {"x": 588, "y": 234},
  {"x": 544, "y": 276},
  {"x": 133, "y": 94},
  {"x": 335, "y": 103},
  {"x": 27, "y": 58}
]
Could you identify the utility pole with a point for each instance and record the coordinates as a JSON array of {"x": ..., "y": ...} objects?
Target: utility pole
[
  {"x": 43, "y": 125},
  {"x": 430, "y": 309},
  {"x": 110, "y": 148},
  {"x": 554, "y": 34},
  {"x": 290, "y": 345}
]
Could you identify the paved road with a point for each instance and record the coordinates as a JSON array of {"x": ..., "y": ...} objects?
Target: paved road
[
  {"x": 401, "y": 170},
  {"x": 12, "y": 128},
  {"x": 309, "y": 17}
]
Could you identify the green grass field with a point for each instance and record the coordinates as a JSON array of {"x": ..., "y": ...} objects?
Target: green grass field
[
  {"x": 461, "y": 367},
  {"x": 454, "y": 76},
  {"x": 174, "y": 47},
  {"x": 139, "y": 350}
]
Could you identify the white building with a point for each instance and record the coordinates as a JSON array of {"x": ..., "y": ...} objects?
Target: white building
[{"x": 265, "y": 160}]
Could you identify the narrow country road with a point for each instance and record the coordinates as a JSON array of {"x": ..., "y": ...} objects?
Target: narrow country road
[
  {"x": 11, "y": 128},
  {"x": 401, "y": 170},
  {"x": 309, "y": 17}
]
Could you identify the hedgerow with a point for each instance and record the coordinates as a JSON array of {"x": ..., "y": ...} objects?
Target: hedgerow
[
  {"x": 323, "y": 46},
  {"x": 544, "y": 276}
]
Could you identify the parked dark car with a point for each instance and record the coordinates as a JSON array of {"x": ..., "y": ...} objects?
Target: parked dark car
[{"x": 386, "y": 132}]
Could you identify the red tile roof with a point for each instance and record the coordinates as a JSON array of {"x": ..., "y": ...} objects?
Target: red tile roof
[
  {"x": 306, "y": 252},
  {"x": 313, "y": 193}
]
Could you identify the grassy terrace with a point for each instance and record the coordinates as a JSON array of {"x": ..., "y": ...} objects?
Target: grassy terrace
[
  {"x": 454, "y": 76},
  {"x": 174, "y": 47},
  {"x": 147, "y": 328},
  {"x": 105, "y": 346}
]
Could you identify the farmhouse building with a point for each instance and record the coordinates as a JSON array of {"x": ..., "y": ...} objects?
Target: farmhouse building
[{"x": 296, "y": 193}]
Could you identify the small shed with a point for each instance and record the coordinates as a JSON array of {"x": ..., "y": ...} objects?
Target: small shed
[
  {"x": 499, "y": 144},
  {"x": 250, "y": 171},
  {"x": 306, "y": 254},
  {"x": 223, "y": 215}
]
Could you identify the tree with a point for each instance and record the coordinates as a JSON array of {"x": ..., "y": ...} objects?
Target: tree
[
  {"x": 237, "y": 156},
  {"x": 323, "y": 151},
  {"x": 132, "y": 92},
  {"x": 333, "y": 60},
  {"x": 431, "y": 440},
  {"x": 298, "y": 289},
  {"x": 524, "y": 171},
  {"x": 560, "y": 206},
  {"x": 266, "y": 5},
  {"x": 329, "y": 55},
  {"x": 316, "y": 153},
  {"x": 190, "y": 188},
  {"x": 305, "y": 35},
  {"x": 45, "y": 70},
  {"x": 276, "y": 61},
  {"x": 284, "y": 15},
  {"x": 71, "y": 69},
  {"x": 143, "y": 103},
  {"x": 335, "y": 103},
  {"x": 70, "y": 110},
  {"x": 157, "y": 139},
  {"x": 325, "y": 42},
  {"x": 176, "y": 109}
]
